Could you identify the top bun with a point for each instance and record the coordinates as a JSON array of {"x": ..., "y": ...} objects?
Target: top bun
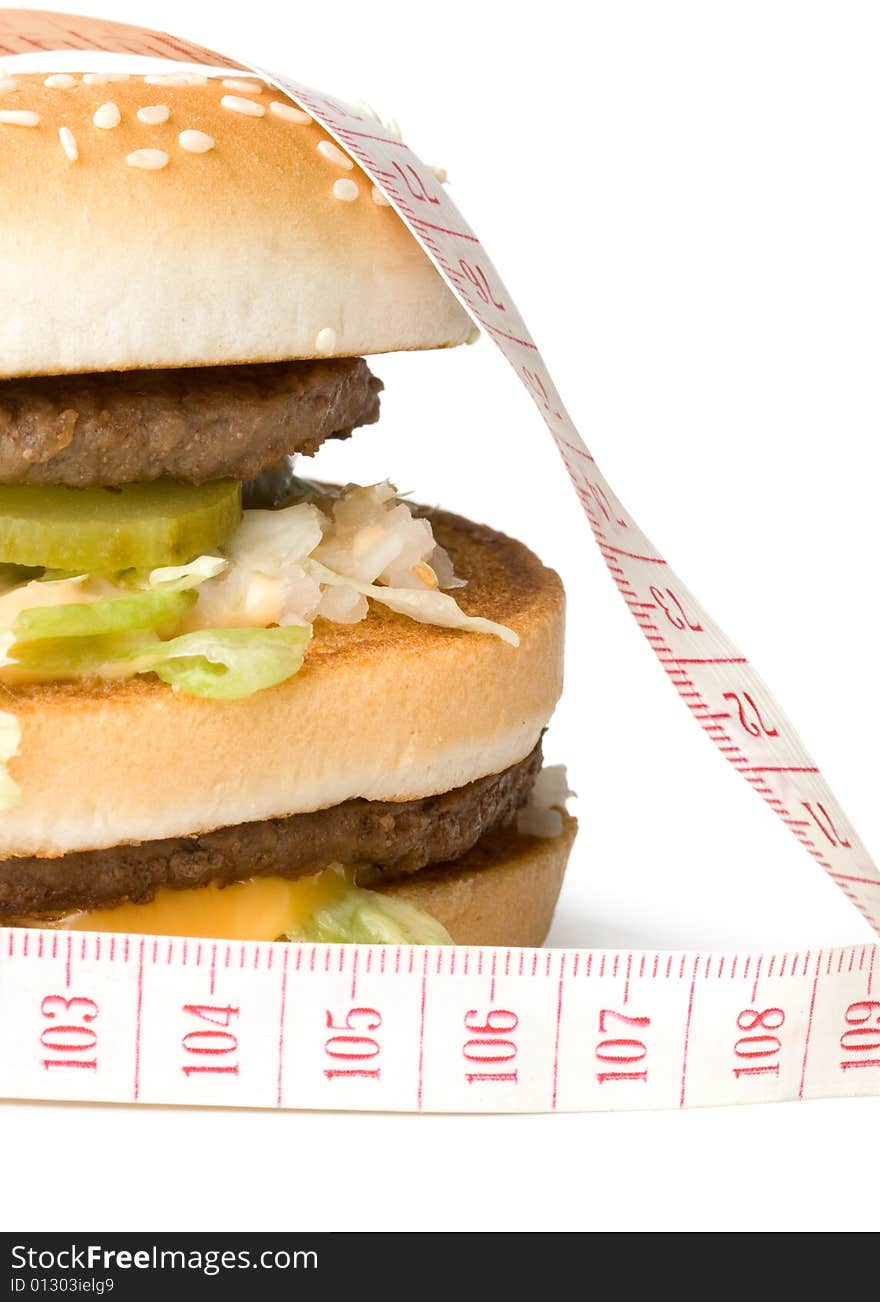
[{"x": 267, "y": 246}]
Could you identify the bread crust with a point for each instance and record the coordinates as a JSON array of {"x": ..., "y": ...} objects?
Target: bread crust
[
  {"x": 388, "y": 709},
  {"x": 503, "y": 892},
  {"x": 239, "y": 254}
]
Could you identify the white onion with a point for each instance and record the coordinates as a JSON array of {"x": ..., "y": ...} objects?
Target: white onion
[
  {"x": 342, "y": 605},
  {"x": 534, "y": 821},
  {"x": 325, "y": 558},
  {"x": 541, "y": 816},
  {"x": 551, "y": 787},
  {"x": 441, "y": 563}
]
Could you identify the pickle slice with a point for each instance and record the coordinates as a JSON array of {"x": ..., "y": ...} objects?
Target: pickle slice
[{"x": 102, "y": 530}]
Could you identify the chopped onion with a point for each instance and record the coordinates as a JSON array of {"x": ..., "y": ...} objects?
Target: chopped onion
[
  {"x": 343, "y": 605},
  {"x": 551, "y": 787},
  {"x": 441, "y": 563},
  {"x": 542, "y": 816},
  {"x": 324, "y": 558},
  {"x": 534, "y": 821},
  {"x": 374, "y": 537}
]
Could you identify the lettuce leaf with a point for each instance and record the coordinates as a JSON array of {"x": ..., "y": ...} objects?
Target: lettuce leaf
[
  {"x": 358, "y": 917},
  {"x": 179, "y": 578},
  {"x": 221, "y": 664},
  {"x": 425, "y": 605},
  {"x": 111, "y": 615},
  {"x": 229, "y": 663},
  {"x": 77, "y": 657}
]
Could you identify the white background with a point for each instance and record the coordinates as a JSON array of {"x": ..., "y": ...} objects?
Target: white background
[{"x": 684, "y": 200}]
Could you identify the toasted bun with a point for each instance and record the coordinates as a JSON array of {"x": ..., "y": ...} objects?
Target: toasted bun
[
  {"x": 238, "y": 254},
  {"x": 387, "y": 709},
  {"x": 503, "y": 892}
]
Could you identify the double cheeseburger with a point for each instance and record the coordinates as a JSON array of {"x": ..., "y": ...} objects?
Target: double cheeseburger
[{"x": 235, "y": 702}]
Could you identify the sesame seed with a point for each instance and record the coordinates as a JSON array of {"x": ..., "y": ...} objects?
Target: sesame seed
[
  {"x": 195, "y": 142},
  {"x": 380, "y": 199},
  {"x": 325, "y": 340},
  {"x": 345, "y": 189},
  {"x": 104, "y": 78},
  {"x": 7, "y": 83},
  {"x": 440, "y": 173},
  {"x": 334, "y": 154},
  {"x": 176, "y": 79},
  {"x": 249, "y": 107},
  {"x": 289, "y": 113},
  {"x": 149, "y": 160},
  {"x": 153, "y": 115},
  {"x": 19, "y": 118},
  {"x": 68, "y": 143},
  {"x": 392, "y": 126},
  {"x": 107, "y": 116},
  {"x": 60, "y": 81},
  {"x": 243, "y": 87}
]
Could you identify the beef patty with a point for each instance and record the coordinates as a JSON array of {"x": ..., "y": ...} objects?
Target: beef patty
[
  {"x": 213, "y": 422},
  {"x": 395, "y": 838}
]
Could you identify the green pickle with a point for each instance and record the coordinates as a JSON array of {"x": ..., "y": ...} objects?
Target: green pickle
[{"x": 103, "y": 530}]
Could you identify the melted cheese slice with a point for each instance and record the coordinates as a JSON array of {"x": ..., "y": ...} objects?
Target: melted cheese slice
[{"x": 262, "y": 908}]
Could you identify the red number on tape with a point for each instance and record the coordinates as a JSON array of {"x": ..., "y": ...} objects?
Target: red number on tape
[
  {"x": 750, "y": 716},
  {"x": 674, "y": 611},
  {"x": 73, "y": 1035},
  {"x": 353, "y": 1046},
  {"x": 414, "y": 184},
  {"x": 862, "y": 1035},
  {"x": 604, "y": 503},
  {"x": 825, "y": 824},
  {"x": 480, "y": 281},
  {"x": 626, "y": 1051},
  {"x": 761, "y": 1045},
  {"x": 216, "y": 1042},
  {"x": 489, "y": 1044}
]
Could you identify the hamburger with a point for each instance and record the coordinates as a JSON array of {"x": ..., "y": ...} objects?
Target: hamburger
[{"x": 237, "y": 702}]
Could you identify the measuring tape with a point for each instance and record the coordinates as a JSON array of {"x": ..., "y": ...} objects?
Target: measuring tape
[{"x": 135, "y": 1019}]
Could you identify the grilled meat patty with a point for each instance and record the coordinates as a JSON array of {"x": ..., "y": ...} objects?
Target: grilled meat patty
[{"x": 213, "y": 422}]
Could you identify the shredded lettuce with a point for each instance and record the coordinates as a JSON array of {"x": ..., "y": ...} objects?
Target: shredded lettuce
[
  {"x": 355, "y": 916},
  {"x": 222, "y": 664},
  {"x": 227, "y": 664},
  {"x": 10, "y": 741},
  {"x": 179, "y": 578},
  {"x": 100, "y": 618},
  {"x": 425, "y": 605},
  {"x": 110, "y": 656}
]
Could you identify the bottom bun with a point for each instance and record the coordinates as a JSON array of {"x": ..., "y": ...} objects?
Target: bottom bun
[{"x": 503, "y": 892}]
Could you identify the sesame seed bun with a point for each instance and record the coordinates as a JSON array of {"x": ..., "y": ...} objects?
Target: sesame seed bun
[
  {"x": 387, "y": 709},
  {"x": 503, "y": 892},
  {"x": 230, "y": 232}
]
